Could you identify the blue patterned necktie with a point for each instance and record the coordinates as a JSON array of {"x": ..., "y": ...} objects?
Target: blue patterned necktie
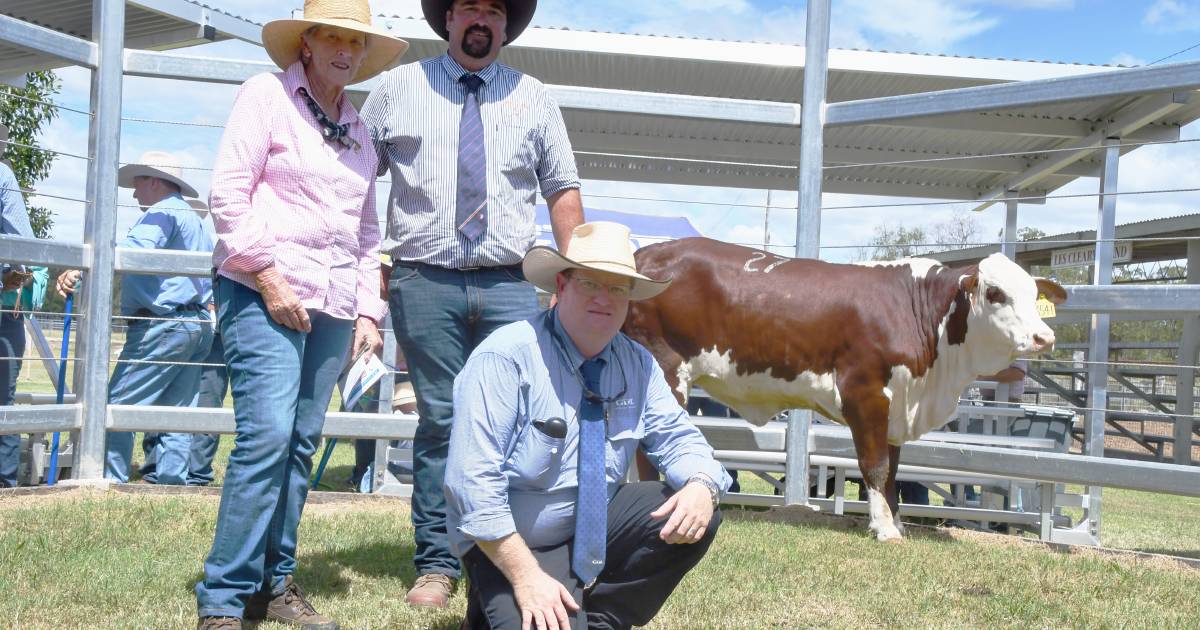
[
  {"x": 591, "y": 511},
  {"x": 471, "y": 201}
]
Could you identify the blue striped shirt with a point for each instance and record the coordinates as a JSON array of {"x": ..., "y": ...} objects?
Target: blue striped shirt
[
  {"x": 503, "y": 475},
  {"x": 414, "y": 117}
]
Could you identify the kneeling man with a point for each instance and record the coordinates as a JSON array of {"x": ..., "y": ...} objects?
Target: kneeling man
[{"x": 548, "y": 413}]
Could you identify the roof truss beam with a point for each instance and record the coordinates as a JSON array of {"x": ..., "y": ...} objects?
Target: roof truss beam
[
  {"x": 174, "y": 38},
  {"x": 648, "y": 170},
  {"x": 1176, "y": 77},
  {"x": 1000, "y": 123},
  {"x": 203, "y": 16},
  {"x": 788, "y": 154},
  {"x": 43, "y": 40},
  {"x": 1133, "y": 117}
]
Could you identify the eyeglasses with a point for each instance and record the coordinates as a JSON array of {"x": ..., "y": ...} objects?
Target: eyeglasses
[
  {"x": 587, "y": 393},
  {"x": 591, "y": 288}
]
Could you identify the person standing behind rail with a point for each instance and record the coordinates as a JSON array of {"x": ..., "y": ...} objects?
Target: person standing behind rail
[
  {"x": 23, "y": 290},
  {"x": 214, "y": 381},
  {"x": 469, "y": 142},
  {"x": 297, "y": 286},
  {"x": 168, "y": 327}
]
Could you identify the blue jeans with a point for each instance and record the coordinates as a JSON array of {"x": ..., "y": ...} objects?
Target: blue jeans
[
  {"x": 281, "y": 381},
  {"x": 214, "y": 380},
  {"x": 12, "y": 350},
  {"x": 183, "y": 338},
  {"x": 439, "y": 316}
]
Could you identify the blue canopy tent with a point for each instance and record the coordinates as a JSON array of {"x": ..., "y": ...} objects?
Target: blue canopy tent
[{"x": 644, "y": 229}]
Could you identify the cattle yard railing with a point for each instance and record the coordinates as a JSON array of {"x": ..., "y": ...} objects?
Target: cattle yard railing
[{"x": 109, "y": 62}]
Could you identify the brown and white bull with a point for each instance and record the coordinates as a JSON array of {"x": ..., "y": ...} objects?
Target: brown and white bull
[{"x": 886, "y": 349}]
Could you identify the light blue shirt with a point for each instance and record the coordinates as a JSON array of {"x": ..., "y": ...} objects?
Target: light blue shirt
[
  {"x": 14, "y": 218},
  {"x": 414, "y": 117},
  {"x": 14, "y": 221},
  {"x": 168, "y": 224},
  {"x": 503, "y": 475}
]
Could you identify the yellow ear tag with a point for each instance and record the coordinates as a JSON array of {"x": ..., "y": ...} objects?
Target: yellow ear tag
[{"x": 1045, "y": 308}]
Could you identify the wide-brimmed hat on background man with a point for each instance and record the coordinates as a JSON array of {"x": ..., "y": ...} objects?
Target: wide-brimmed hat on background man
[
  {"x": 158, "y": 164},
  {"x": 520, "y": 12},
  {"x": 599, "y": 246},
  {"x": 199, "y": 206},
  {"x": 281, "y": 38}
]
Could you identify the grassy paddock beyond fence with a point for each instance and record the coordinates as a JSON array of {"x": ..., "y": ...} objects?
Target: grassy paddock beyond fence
[{"x": 88, "y": 559}]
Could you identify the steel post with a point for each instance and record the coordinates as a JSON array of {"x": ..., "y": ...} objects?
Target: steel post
[
  {"x": 1097, "y": 400},
  {"x": 812, "y": 130},
  {"x": 808, "y": 223},
  {"x": 1011, "y": 205},
  {"x": 1185, "y": 384},
  {"x": 104, "y": 147}
]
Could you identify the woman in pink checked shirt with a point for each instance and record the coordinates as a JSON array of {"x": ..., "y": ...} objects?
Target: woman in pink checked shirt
[{"x": 297, "y": 273}]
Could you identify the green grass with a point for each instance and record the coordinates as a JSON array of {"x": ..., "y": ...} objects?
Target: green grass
[
  {"x": 112, "y": 560},
  {"x": 86, "y": 559}
]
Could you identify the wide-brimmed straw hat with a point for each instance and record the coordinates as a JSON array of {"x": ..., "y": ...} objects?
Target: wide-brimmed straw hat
[
  {"x": 519, "y": 14},
  {"x": 158, "y": 164},
  {"x": 599, "y": 246},
  {"x": 281, "y": 38},
  {"x": 199, "y": 206}
]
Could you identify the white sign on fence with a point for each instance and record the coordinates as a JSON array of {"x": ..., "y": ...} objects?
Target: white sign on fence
[{"x": 1084, "y": 256}]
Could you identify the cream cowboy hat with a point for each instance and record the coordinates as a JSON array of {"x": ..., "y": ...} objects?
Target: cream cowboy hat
[
  {"x": 599, "y": 246},
  {"x": 158, "y": 164},
  {"x": 281, "y": 38}
]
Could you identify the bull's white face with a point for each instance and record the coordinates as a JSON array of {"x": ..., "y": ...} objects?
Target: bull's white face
[{"x": 1004, "y": 310}]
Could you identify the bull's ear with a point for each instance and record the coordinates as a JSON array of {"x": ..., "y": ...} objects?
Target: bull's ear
[
  {"x": 969, "y": 282},
  {"x": 1051, "y": 289}
]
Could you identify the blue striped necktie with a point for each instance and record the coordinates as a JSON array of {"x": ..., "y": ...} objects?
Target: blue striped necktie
[
  {"x": 591, "y": 510},
  {"x": 471, "y": 201}
]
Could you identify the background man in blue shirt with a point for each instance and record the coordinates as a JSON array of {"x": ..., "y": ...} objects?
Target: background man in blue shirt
[
  {"x": 548, "y": 413},
  {"x": 22, "y": 290},
  {"x": 469, "y": 143},
  {"x": 169, "y": 329}
]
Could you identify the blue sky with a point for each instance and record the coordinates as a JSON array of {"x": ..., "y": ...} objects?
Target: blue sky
[{"x": 1128, "y": 32}]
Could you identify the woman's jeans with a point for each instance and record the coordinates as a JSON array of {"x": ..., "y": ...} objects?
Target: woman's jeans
[{"x": 281, "y": 381}]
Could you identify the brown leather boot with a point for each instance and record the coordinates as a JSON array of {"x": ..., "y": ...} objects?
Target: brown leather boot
[
  {"x": 431, "y": 590},
  {"x": 291, "y": 607},
  {"x": 219, "y": 623}
]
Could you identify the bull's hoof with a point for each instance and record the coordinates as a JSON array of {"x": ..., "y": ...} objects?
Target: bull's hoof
[{"x": 887, "y": 533}]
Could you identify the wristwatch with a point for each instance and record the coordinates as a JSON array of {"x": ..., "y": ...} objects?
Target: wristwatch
[{"x": 711, "y": 485}]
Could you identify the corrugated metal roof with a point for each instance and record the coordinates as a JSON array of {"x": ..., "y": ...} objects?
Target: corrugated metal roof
[
  {"x": 149, "y": 25},
  {"x": 654, "y": 146},
  {"x": 672, "y": 149}
]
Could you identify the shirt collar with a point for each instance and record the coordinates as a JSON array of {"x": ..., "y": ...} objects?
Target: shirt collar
[
  {"x": 456, "y": 71},
  {"x": 295, "y": 78},
  {"x": 173, "y": 200}
]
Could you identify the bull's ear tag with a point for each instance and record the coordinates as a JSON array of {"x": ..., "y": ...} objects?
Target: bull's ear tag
[{"x": 1045, "y": 308}]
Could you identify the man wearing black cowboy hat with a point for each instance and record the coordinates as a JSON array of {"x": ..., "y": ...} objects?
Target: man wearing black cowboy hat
[{"x": 469, "y": 143}]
